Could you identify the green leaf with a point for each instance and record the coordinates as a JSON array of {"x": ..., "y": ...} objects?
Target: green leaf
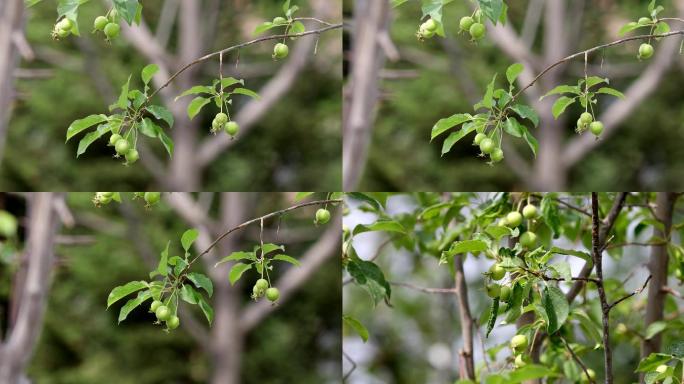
[
  {"x": 201, "y": 281},
  {"x": 127, "y": 9},
  {"x": 188, "y": 238},
  {"x": 380, "y": 225},
  {"x": 661, "y": 29},
  {"x": 467, "y": 246},
  {"x": 162, "y": 268},
  {"x": 562, "y": 270},
  {"x": 370, "y": 277},
  {"x": 236, "y": 272},
  {"x": 628, "y": 28},
  {"x": 124, "y": 290},
  {"x": 263, "y": 27},
  {"x": 611, "y": 91},
  {"x": 133, "y": 303},
  {"x": 526, "y": 113},
  {"x": 556, "y": 307},
  {"x": 188, "y": 294},
  {"x": 148, "y": 72},
  {"x": 655, "y": 328},
  {"x": 549, "y": 211},
  {"x": 530, "y": 372},
  {"x": 491, "y": 9},
  {"x": 356, "y": 326},
  {"x": 123, "y": 97},
  {"x": 561, "y": 104},
  {"x": 487, "y": 100},
  {"x": 573, "y": 89},
  {"x": 302, "y": 195},
  {"x": 590, "y": 328},
  {"x": 161, "y": 113},
  {"x": 454, "y": 137},
  {"x": 444, "y": 125},
  {"x": 166, "y": 142},
  {"x": 206, "y": 309},
  {"x": 513, "y": 72},
  {"x": 493, "y": 314},
  {"x": 79, "y": 126},
  {"x": 237, "y": 256},
  {"x": 270, "y": 247},
  {"x": 197, "y": 90},
  {"x": 513, "y": 127},
  {"x": 287, "y": 258},
  {"x": 676, "y": 349},
  {"x": 530, "y": 140},
  {"x": 246, "y": 92},
  {"x": 228, "y": 81},
  {"x": 91, "y": 137},
  {"x": 595, "y": 80},
  {"x": 196, "y": 106},
  {"x": 652, "y": 361},
  {"x": 297, "y": 27}
]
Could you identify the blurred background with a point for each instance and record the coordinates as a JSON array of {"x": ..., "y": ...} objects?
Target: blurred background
[
  {"x": 409, "y": 85},
  {"x": 417, "y": 338},
  {"x": 96, "y": 249},
  {"x": 290, "y": 140}
]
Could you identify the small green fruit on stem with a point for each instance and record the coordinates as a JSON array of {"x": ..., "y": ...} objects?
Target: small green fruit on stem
[
  {"x": 322, "y": 216},
  {"x": 272, "y": 294}
]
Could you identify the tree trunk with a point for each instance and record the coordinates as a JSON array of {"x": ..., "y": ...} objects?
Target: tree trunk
[
  {"x": 11, "y": 21},
  {"x": 655, "y": 303},
  {"x": 465, "y": 355},
  {"x": 23, "y": 335}
]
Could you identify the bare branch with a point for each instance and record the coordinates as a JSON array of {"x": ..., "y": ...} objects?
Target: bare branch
[
  {"x": 598, "y": 264},
  {"x": 577, "y": 359},
  {"x": 638, "y": 291}
]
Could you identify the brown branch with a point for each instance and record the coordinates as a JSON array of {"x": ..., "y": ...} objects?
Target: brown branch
[
  {"x": 577, "y": 359},
  {"x": 423, "y": 289},
  {"x": 598, "y": 264},
  {"x": 633, "y": 244},
  {"x": 638, "y": 291}
]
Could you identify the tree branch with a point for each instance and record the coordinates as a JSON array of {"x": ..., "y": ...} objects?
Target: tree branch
[
  {"x": 466, "y": 355},
  {"x": 605, "y": 308}
]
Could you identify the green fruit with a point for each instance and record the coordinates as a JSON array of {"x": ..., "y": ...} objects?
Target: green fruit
[
  {"x": 111, "y": 30},
  {"x": 122, "y": 146},
  {"x": 173, "y": 322},
  {"x": 487, "y": 146},
  {"x": 644, "y": 21},
  {"x": 322, "y": 216},
  {"x": 272, "y": 294},
  {"x": 62, "y": 33},
  {"x": 155, "y": 305},
  {"x": 501, "y": 222},
  {"x": 425, "y": 33},
  {"x": 114, "y": 15},
  {"x": 621, "y": 329},
  {"x": 221, "y": 118},
  {"x": 261, "y": 284},
  {"x": 231, "y": 128},
  {"x": 520, "y": 361},
  {"x": 477, "y": 31},
  {"x": 496, "y": 272},
  {"x": 497, "y": 155},
  {"x": 586, "y": 118},
  {"x": 107, "y": 194},
  {"x": 514, "y": 219},
  {"x": 519, "y": 343},
  {"x": 465, "y": 23},
  {"x": 596, "y": 128},
  {"x": 163, "y": 313},
  {"x": 662, "y": 368},
  {"x": 478, "y": 15},
  {"x": 279, "y": 20},
  {"x": 530, "y": 211},
  {"x": 479, "y": 137},
  {"x": 505, "y": 293},
  {"x": 132, "y": 156},
  {"x": 100, "y": 23},
  {"x": 280, "y": 51},
  {"x": 493, "y": 290},
  {"x": 258, "y": 292},
  {"x": 528, "y": 239},
  {"x": 65, "y": 24},
  {"x": 645, "y": 51},
  {"x": 591, "y": 373},
  {"x": 429, "y": 25},
  {"x": 101, "y": 198},
  {"x": 8, "y": 224},
  {"x": 114, "y": 138},
  {"x": 152, "y": 198}
]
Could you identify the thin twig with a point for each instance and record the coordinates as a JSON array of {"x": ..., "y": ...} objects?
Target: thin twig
[
  {"x": 634, "y": 244},
  {"x": 578, "y": 360},
  {"x": 423, "y": 289},
  {"x": 638, "y": 291},
  {"x": 238, "y": 46},
  {"x": 353, "y": 363}
]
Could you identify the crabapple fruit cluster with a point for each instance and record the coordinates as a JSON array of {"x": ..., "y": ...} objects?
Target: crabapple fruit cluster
[
  {"x": 262, "y": 288},
  {"x": 586, "y": 121},
  {"x": 473, "y": 25},
  {"x": 427, "y": 29},
  {"x": 221, "y": 121},
  {"x": 488, "y": 147},
  {"x": 109, "y": 25},
  {"x": 164, "y": 315},
  {"x": 123, "y": 147}
]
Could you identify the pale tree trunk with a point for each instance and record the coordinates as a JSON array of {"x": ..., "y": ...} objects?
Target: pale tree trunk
[
  {"x": 466, "y": 360},
  {"x": 20, "y": 341},
  {"x": 370, "y": 18},
  {"x": 655, "y": 303},
  {"x": 11, "y": 23}
]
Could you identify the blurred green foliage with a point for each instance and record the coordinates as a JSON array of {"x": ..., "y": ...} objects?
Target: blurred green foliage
[
  {"x": 437, "y": 78},
  {"x": 82, "y": 343},
  {"x": 296, "y": 146}
]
